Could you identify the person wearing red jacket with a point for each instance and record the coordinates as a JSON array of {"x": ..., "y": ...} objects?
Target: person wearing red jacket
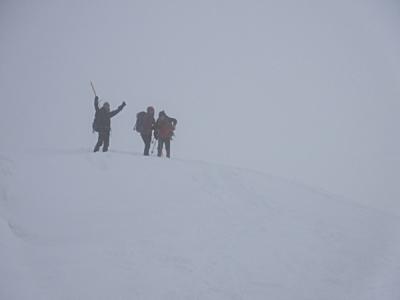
[{"x": 163, "y": 132}]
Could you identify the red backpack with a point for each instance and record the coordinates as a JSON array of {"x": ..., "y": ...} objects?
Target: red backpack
[{"x": 165, "y": 128}]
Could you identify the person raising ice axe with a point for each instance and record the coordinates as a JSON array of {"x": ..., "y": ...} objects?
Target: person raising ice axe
[{"x": 102, "y": 121}]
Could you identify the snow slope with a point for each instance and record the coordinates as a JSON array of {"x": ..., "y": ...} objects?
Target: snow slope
[{"x": 78, "y": 225}]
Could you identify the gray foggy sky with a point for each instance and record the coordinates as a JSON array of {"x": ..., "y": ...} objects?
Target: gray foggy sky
[{"x": 307, "y": 90}]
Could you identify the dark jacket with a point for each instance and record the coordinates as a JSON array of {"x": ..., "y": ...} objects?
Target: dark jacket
[
  {"x": 102, "y": 119},
  {"x": 148, "y": 124}
]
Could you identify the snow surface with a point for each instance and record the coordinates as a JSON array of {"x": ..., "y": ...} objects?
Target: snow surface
[{"x": 79, "y": 225}]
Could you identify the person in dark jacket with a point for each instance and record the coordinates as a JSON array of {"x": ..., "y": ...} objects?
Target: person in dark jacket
[
  {"x": 147, "y": 129},
  {"x": 102, "y": 123},
  {"x": 164, "y": 131}
]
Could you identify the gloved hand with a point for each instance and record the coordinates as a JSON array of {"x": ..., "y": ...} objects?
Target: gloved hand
[
  {"x": 155, "y": 134},
  {"x": 122, "y": 105}
]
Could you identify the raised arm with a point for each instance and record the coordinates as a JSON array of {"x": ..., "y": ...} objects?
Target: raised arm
[
  {"x": 96, "y": 103},
  {"x": 114, "y": 112}
]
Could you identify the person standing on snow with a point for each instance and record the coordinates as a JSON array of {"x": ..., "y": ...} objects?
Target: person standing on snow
[
  {"x": 163, "y": 132},
  {"x": 102, "y": 123},
  {"x": 145, "y": 125}
]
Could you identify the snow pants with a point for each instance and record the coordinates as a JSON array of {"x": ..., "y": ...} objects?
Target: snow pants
[
  {"x": 104, "y": 139},
  {"x": 147, "y": 141},
  {"x": 161, "y": 143}
]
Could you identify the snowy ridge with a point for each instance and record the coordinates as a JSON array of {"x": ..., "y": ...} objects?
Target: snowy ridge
[{"x": 78, "y": 225}]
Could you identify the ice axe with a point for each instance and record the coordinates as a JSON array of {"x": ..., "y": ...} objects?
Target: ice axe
[
  {"x": 154, "y": 144},
  {"x": 94, "y": 91}
]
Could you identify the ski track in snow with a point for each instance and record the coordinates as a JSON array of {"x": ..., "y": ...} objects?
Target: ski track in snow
[{"x": 79, "y": 225}]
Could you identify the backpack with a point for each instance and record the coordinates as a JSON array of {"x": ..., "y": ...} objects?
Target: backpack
[
  {"x": 166, "y": 128},
  {"x": 95, "y": 124},
  {"x": 139, "y": 125}
]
